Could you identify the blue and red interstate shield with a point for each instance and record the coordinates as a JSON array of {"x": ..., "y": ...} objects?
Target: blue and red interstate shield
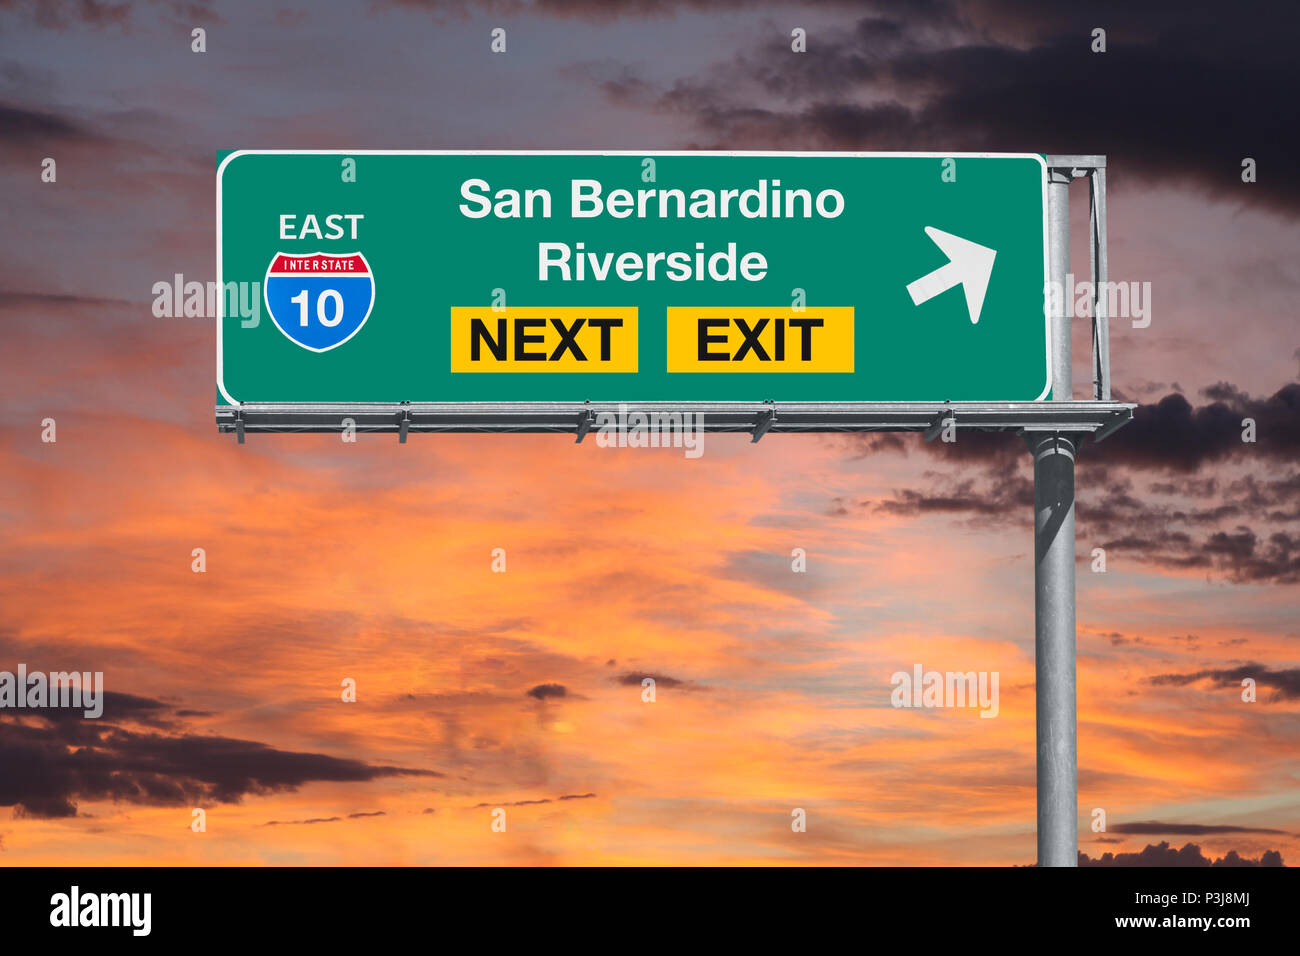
[{"x": 319, "y": 300}]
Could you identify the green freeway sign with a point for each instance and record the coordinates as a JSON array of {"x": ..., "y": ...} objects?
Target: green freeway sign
[{"x": 465, "y": 277}]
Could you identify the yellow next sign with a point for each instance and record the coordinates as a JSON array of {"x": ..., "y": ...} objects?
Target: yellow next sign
[{"x": 544, "y": 339}]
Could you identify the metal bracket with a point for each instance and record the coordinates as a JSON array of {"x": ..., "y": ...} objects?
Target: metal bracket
[
  {"x": 404, "y": 423},
  {"x": 1115, "y": 424},
  {"x": 239, "y": 425},
  {"x": 936, "y": 426},
  {"x": 766, "y": 419},
  {"x": 586, "y": 421}
]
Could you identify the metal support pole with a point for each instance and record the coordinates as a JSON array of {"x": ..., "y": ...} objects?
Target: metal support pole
[
  {"x": 1058, "y": 264},
  {"x": 1058, "y": 801}
]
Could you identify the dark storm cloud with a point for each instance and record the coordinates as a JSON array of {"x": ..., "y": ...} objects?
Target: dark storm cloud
[
  {"x": 62, "y": 14},
  {"x": 118, "y": 707},
  {"x": 595, "y": 10},
  {"x": 1163, "y": 854},
  {"x": 20, "y": 126},
  {"x": 1119, "y": 640},
  {"x": 49, "y": 760},
  {"x": 116, "y": 139},
  {"x": 1141, "y": 530},
  {"x": 26, "y": 300},
  {"x": 1173, "y": 435},
  {"x": 1178, "y": 98},
  {"x": 1006, "y": 492},
  {"x": 1001, "y": 449},
  {"x": 1201, "y": 524},
  {"x": 1240, "y": 555},
  {"x": 1148, "y": 827},
  {"x": 1245, "y": 528},
  {"x": 546, "y": 691},
  {"x": 534, "y": 803},
  {"x": 517, "y": 803},
  {"x": 59, "y": 14},
  {"x": 299, "y": 823},
  {"x": 1285, "y": 683},
  {"x": 866, "y": 444},
  {"x": 636, "y": 677}
]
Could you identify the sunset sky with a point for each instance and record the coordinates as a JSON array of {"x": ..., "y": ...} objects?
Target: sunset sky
[{"x": 479, "y": 690}]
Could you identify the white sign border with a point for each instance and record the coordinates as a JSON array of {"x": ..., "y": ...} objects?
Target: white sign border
[{"x": 771, "y": 154}]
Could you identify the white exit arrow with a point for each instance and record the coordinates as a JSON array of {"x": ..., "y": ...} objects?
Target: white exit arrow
[{"x": 969, "y": 264}]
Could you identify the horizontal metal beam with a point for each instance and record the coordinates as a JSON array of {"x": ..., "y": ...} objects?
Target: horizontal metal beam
[
  {"x": 1090, "y": 417},
  {"x": 1069, "y": 161}
]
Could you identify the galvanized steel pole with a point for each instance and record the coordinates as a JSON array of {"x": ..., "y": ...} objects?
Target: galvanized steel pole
[
  {"x": 1054, "y": 682},
  {"x": 1058, "y": 801}
]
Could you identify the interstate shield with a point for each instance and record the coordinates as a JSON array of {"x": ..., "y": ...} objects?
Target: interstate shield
[{"x": 319, "y": 300}]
